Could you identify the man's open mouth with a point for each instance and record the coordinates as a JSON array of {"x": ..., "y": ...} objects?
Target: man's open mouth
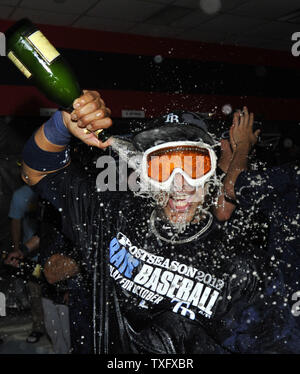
[{"x": 180, "y": 202}]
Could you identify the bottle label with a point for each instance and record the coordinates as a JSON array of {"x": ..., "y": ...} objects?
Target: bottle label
[
  {"x": 43, "y": 46},
  {"x": 19, "y": 64}
]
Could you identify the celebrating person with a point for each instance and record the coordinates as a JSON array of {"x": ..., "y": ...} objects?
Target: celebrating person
[{"x": 168, "y": 277}]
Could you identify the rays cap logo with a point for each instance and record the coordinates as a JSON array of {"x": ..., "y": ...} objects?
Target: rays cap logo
[
  {"x": 2, "y": 45},
  {"x": 170, "y": 118}
]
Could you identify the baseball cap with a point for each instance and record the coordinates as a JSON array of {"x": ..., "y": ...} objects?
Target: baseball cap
[{"x": 174, "y": 126}]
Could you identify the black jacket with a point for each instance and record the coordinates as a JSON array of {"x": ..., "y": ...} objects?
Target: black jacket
[{"x": 216, "y": 294}]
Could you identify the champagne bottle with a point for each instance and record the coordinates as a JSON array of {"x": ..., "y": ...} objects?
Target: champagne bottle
[{"x": 39, "y": 61}]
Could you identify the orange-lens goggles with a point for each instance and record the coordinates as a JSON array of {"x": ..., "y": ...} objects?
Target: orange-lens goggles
[{"x": 193, "y": 160}]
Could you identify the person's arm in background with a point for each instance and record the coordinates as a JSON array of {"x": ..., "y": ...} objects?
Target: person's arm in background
[
  {"x": 242, "y": 139},
  {"x": 16, "y": 213},
  {"x": 17, "y": 209},
  {"x": 16, "y": 233},
  {"x": 57, "y": 268},
  {"x": 24, "y": 250}
]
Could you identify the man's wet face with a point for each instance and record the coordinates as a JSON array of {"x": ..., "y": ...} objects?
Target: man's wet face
[{"x": 183, "y": 201}]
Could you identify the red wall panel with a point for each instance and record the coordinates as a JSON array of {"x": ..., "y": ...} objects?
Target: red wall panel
[
  {"x": 27, "y": 100},
  {"x": 76, "y": 38},
  {"x": 24, "y": 100}
]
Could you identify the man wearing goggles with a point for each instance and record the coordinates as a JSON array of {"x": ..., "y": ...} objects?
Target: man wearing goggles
[
  {"x": 168, "y": 277},
  {"x": 177, "y": 165}
]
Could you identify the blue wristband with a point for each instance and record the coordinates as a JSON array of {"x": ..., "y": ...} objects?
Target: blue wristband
[{"x": 55, "y": 130}]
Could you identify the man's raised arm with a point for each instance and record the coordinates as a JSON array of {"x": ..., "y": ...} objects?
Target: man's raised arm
[
  {"x": 242, "y": 139},
  {"x": 46, "y": 151}
]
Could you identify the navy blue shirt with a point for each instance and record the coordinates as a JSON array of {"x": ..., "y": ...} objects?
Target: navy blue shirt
[
  {"x": 214, "y": 294},
  {"x": 276, "y": 193}
]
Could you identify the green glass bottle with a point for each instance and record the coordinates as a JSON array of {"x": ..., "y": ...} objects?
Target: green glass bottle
[{"x": 39, "y": 61}]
